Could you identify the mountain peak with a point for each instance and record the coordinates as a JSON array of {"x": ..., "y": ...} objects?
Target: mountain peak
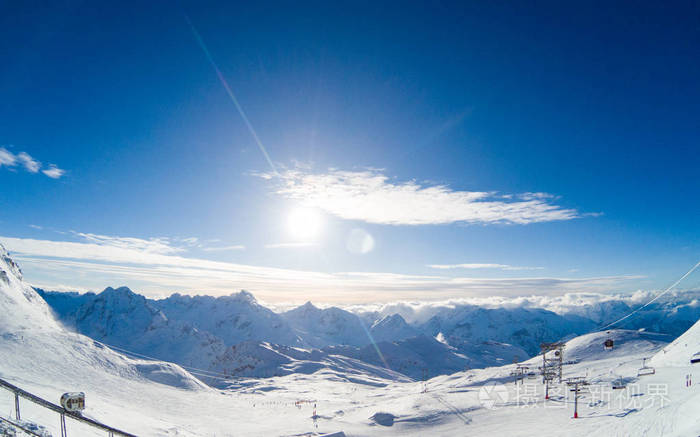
[
  {"x": 307, "y": 307},
  {"x": 119, "y": 291},
  {"x": 393, "y": 321},
  {"x": 245, "y": 296},
  {"x": 7, "y": 263}
]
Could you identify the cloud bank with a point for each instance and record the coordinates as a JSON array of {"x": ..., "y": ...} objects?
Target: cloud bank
[
  {"x": 156, "y": 268},
  {"x": 568, "y": 303},
  {"x": 371, "y": 197},
  {"x": 481, "y": 266}
]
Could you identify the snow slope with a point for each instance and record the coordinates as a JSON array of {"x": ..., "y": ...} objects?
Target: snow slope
[
  {"x": 262, "y": 359},
  {"x": 39, "y": 356},
  {"x": 681, "y": 350}
]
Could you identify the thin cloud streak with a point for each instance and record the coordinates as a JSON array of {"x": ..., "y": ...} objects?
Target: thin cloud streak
[
  {"x": 224, "y": 248},
  {"x": 371, "y": 197},
  {"x": 481, "y": 266},
  {"x": 288, "y": 245},
  {"x": 91, "y": 265}
]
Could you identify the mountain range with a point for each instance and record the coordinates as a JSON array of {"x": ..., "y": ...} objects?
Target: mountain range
[{"x": 237, "y": 336}]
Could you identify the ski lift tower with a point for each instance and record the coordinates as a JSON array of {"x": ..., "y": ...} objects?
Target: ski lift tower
[
  {"x": 577, "y": 383},
  {"x": 549, "y": 374},
  {"x": 519, "y": 373},
  {"x": 552, "y": 364}
]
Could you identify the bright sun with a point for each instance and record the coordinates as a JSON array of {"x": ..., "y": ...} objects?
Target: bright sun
[{"x": 304, "y": 223}]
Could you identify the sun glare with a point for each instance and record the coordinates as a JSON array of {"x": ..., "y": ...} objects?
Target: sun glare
[{"x": 304, "y": 223}]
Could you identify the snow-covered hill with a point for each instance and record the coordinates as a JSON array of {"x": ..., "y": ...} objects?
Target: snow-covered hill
[
  {"x": 681, "y": 350},
  {"x": 262, "y": 359},
  {"x": 625, "y": 342}
]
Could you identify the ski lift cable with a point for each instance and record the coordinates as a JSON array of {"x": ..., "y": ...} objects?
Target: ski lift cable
[
  {"x": 190, "y": 369},
  {"x": 203, "y": 372},
  {"x": 653, "y": 299}
]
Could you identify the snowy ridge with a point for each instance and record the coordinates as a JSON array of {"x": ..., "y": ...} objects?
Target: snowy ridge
[
  {"x": 199, "y": 331},
  {"x": 21, "y": 306},
  {"x": 28, "y": 322}
]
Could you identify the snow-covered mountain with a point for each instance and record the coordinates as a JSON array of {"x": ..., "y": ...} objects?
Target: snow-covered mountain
[
  {"x": 122, "y": 318},
  {"x": 672, "y": 314},
  {"x": 329, "y": 326},
  {"x": 233, "y": 319},
  {"x": 329, "y": 394},
  {"x": 392, "y": 328},
  {"x": 462, "y": 326},
  {"x": 199, "y": 331},
  {"x": 28, "y": 326},
  {"x": 21, "y": 307}
]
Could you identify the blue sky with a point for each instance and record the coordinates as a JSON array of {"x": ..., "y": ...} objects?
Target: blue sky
[{"x": 442, "y": 151}]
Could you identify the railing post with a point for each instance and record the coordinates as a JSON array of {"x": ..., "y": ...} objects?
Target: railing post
[
  {"x": 64, "y": 431},
  {"x": 17, "y": 416}
]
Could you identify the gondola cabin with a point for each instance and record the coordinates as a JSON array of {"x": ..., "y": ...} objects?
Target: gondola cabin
[
  {"x": 609, "y": 344},
  {"x": 73, "y": 402}
]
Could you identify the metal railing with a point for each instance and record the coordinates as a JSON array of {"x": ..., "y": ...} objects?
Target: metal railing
[{"x": 19, "y": 393}]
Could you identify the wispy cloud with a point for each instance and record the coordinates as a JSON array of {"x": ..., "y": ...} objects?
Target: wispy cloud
[
  {"x": 150, "y": 246},
  {"x": 224, "y": 248},
  {"x": 53, "y": 172},
  {"x": 371, "y": 196},
  {"x": 289, "y": 245},
  {"x": 36, "y": 227},
  {"x": 7, "y": 158},
  {"x": 481, "y": 266},
  {"x": 152, "y": 267},
  {"x": 30, "y": 164}
]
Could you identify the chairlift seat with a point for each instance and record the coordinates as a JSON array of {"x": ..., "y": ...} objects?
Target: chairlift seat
[{"x": 646, "y": 371}]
